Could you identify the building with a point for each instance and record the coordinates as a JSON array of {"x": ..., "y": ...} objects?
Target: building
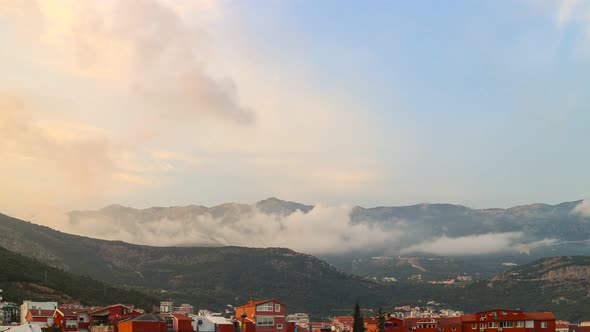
[
  {"x": 39, "y": 317},
  {"x": 143, "y": 323},
  {"x": 28, "y": 304},
  {"x": 298, "y": 318},
  {"x": 509, "y": 321},
  {"x": 72, "y": 319},
  {"x": 262, "y": 316},
  {"x": 208, "y": 323},
  {"x": 107, "y": 319},
  {"x": 178, "y": 323}
]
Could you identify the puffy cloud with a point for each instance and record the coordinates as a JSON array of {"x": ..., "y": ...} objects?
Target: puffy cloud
[
  {"x": 480, "y": 244},
  {"x": 583, "y": 208},
  {"x": 142, "y": 46},
  {"x": 323, "y": 230}
]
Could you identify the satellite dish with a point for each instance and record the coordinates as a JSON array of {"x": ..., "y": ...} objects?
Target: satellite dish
[
  {"x": 333, "y": 328},
  {"x": 200, "y": 322}
]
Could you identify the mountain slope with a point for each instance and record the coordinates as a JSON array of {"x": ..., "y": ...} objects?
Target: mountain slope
[
  {"x": 203, "y": 276},
  {"x": 25, "y": 278}
]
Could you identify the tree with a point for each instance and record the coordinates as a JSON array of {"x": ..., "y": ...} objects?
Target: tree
[
  {"x": 358, "y": 325},
  {"x": 381, "y": 320}
]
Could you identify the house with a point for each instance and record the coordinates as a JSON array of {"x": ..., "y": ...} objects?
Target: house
[
  {"x": 143, "y": 323},
  {"x": 509, "y": 321},
  {"x": 72, "y": 319},
  {"x": 178, "y": 323},
  {"x": 106, "y": 319},
  {"x": 28, "y": 304},
  {"x": 39, "y": 317},
  {"x": 262, "y": 316},
  {"x": 319, "y": 327}
]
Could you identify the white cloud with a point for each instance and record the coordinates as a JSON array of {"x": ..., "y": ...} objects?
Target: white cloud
[
  {"x": 583, "y": 208},
  {"x": 324, "y": 230},
  {"x": 476, "y": 244}
]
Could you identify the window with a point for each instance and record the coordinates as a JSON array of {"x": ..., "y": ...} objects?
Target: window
[
  {"x": 265, "y": 321},
  {"x": 493, "y": 325},
  {"x": 279, "y": 326},
  {"x": 453, "y": 329},
  {"x": 441, "y": 329},
  {"x": 277, "y": 307},
  {"x": 543, "y": 325},
  {"x": 529, "y": 324},
  {"x": 265, "y": 307},
  {"x": 473, "y": 326},
  {"x": 482, "y": 325},
  {"x": 507, "y": 324},
  {"x": 520, "y": 324}
]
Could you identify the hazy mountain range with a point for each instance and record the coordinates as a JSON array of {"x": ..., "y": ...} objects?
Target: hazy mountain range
[
  {"x": 434, "y": 229},
  {"x": 209, "y": 277}
]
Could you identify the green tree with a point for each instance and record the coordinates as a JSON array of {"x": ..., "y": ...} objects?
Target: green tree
[
  {"x": 381, "y": 320},
  {"x": 358, "y": 325}
]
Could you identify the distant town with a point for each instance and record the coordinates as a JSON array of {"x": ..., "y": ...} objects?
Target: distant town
[{"x": 269, "y": 315}]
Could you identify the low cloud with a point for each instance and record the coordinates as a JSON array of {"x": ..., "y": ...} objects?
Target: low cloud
[
  {"x": 323, "y": 230},
  {"x": 482, "y": 244},
  {"x": 583, "y": 209}
]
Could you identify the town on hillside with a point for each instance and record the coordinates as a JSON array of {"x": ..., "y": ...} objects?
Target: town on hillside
[{"x": 263, "y": 316}]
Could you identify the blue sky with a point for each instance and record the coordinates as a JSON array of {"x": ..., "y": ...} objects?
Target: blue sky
[{"x": 481, "y": 103}]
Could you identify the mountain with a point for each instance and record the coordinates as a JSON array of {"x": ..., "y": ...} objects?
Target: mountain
[
  {"x": 209, "y": 277},
  {"x": 206, "y": 277},
  {"x": 560, "y": 229},
  {"x": 25, "y": 278}
]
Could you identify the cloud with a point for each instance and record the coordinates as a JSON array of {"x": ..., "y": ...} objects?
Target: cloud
[
  {"x": 565, "y": 10},
  {"x": 323, "y": 230},
  {"x": 144, "y": 47},
  {"x": 481, "y": 244},
  {"x": 583, "y": 209},
  {"x": 83, "y": 160}
]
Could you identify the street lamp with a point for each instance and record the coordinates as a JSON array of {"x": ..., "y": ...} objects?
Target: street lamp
[{"x": 243, "y": 318}]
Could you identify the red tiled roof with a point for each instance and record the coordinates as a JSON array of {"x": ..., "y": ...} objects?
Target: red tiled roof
[
  {"x": 254, "y": 303},
  {"x": 468, "y": 318},
  {"x": 409, "y": 322},
  {"x": 41, "y": 313},
  {"x": 540, "y": 315},
  {"x": 181, "y": 316},
  {"x": 450, "y": 321},
  {"x": 73, "y": 312}
]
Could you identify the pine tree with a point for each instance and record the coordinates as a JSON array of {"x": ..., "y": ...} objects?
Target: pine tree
[
  {"x": 381, "y": 320},
  {"x": 358, "y": 325}
]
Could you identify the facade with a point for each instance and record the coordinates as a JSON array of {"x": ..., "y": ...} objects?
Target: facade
[
  {"x": 40, "y": 317},
  {"x": 72, "y": 319},
  {"x": 178, "y": 323},
  {"x": 213, "y": 324},
  {"x": 264, "y": 316},
  {"x": 509, "y": 321}
]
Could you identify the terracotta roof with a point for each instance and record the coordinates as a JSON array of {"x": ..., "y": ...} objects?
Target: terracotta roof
[
  {"x": 450, "y": 321},
  {"x": 409, "y": 322},
  {"x": 468, "y": 318},
  {"x": 41, "y": 313},
  {"x": 540, "y": 315},
  {"x": 148, "y": 318},
  {"x": 254, "y": 303}
]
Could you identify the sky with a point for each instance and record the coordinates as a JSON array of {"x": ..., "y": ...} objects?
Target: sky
[{"x": 159, "y": 103}]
